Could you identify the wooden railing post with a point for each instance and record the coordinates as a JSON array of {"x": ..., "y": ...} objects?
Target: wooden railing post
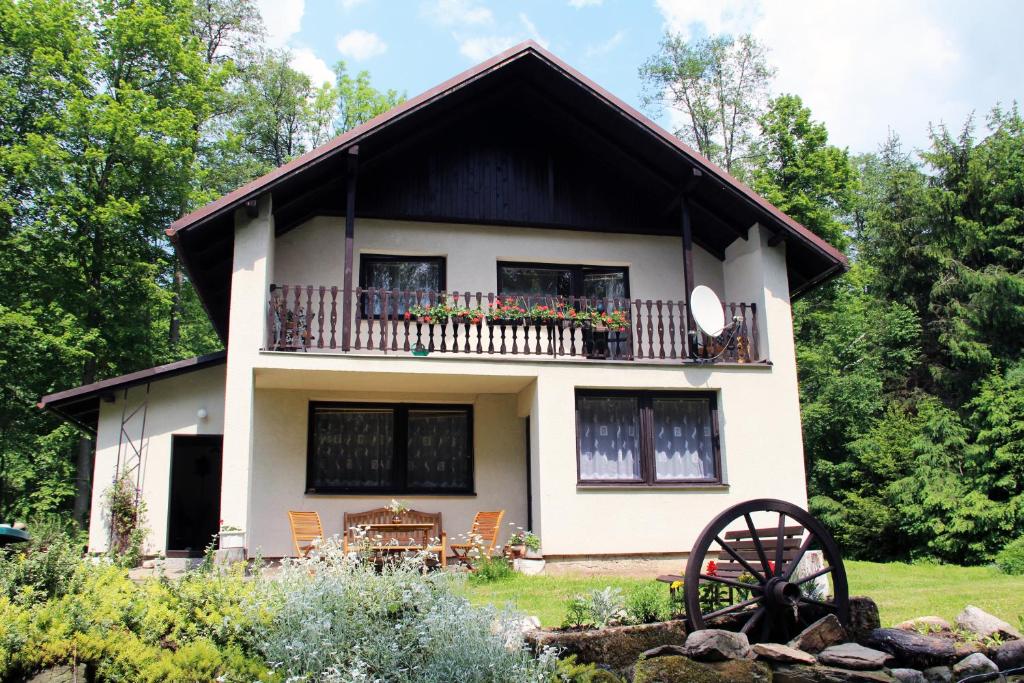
[{"x": 350, "y": 231}]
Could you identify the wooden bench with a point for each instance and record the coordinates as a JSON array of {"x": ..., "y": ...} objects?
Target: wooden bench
[
  {"x": 432, "y": 539},
  {"x": 742, "y": 542}
]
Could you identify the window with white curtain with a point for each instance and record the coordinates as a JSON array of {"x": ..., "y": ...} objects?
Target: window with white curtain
[{"x": 647, "y": 438}]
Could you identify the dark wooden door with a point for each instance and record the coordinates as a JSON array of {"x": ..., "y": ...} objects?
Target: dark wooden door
[{"x": 193, "y": 518}]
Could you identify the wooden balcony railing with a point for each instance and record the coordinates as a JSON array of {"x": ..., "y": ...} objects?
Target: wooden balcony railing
[{"x": 310, "y": 318}]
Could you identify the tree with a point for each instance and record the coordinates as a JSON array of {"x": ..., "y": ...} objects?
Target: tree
[
  {"x": 358, "y": 101},
  {"x": 718, "y": 84}
]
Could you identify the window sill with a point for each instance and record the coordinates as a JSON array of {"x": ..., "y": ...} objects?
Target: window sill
[
  {"x": 662, "y": 486},
  {"x": 379, "y": 492}
]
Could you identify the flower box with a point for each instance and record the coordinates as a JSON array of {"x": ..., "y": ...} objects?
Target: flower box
[{"x": 234, "y": 538}]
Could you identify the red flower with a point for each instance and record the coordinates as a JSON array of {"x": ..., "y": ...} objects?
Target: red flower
[
  {"x": 408, "y": 315},
  {"x": 771, "y": 568},
  {"x": 712, "y": 568},
  {"x": 426, "y": 318}
]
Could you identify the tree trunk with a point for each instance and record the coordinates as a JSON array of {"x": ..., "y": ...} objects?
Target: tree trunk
[{"x": 84, "y": 462}]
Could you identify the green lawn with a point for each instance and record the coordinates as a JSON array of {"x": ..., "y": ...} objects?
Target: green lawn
[{"x": 902, "y": 591}]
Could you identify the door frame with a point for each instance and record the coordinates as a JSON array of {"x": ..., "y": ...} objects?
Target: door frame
[{"x": 194, "y": 438}]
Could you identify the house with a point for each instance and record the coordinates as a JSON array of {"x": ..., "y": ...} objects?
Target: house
[{"x": 345, "y": 383}]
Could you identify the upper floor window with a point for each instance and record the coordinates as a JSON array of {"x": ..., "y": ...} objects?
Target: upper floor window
[
  {"x": 546, "y": 279},
  {"x": 390, "y": 448},
  {"x": 647, "y": 438},
  {"x": 407, "y": 274}
]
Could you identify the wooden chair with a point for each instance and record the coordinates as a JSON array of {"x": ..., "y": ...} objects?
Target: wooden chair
[
  {"x": 396, "y": 542},
  {"x": 306, "y": 528},
  {"x": 483, "y": 535}
]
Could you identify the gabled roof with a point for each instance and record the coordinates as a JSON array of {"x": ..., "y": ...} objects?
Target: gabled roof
[
  {"x": 81, "y": 405},
  {"x": 822, "y": 260}
]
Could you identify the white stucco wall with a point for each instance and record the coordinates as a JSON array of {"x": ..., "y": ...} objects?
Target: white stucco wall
[
  {"x": 171, "y": 409},
  {"x": 313, "y": 253},
  {"x": 279, "y": 466}
]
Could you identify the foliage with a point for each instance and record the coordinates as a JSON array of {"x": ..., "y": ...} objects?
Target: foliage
[
  {"x": 598, "y": 608},
  {"x": 647, "y": 603},
  {"x": 568, "y": 671},
  {"x": 45, "y": 567},
  {"x": 126, "y": 514},
  {"x": 1010, "y": 559},
  {"x": 491, "y": 570},
  {"x": 719, "y": 84},
  {"x": 526, "y": 538},
  {"x": 338, "y": 619}
]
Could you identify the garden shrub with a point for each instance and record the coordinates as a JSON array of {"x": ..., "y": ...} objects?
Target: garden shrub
[
  {"x": 647, "y": 603},
  {"x": 491, "y": 569},
  {"x": 44, "y": 567},
  {"x": 338, "y": 619},
  {"x": 1010, "y": 559},
  {"x": 598, "y": 608},
  {"x": 568, "y": 671}
]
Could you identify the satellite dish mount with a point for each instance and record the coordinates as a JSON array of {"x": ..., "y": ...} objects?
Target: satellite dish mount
[{"x": 709, "y": 315}]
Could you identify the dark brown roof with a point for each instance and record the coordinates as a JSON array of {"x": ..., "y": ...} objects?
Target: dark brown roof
[
  {"x": 211, "y": 274},
  {"x": 81, "y": 405}
]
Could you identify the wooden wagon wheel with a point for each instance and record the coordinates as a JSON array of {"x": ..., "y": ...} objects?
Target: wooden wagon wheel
[{"x": 743, "y": 577}]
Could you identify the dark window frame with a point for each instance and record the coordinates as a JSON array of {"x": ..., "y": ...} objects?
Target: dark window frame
[
  {"x": 366, "y": 259},
  {"x": 578, "y": 270},
  {"x": 400, "y": 440},
  {"x": 648, "y": 469}
]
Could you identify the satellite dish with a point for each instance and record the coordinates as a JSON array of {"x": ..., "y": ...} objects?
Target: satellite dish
[{"x": 706, "y": 308}]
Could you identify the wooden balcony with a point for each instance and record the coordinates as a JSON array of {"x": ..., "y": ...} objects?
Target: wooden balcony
[{"x": 312, "y": 318}]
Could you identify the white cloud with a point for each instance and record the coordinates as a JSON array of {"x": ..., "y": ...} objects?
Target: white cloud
[
  {"x": 359, "y": 45},
  {"x": 606, "y": 46},
  {"x": 457, "y": 13},
  {"x": 282, "y": 19},
  {"x": 305, "y": 60},
  {"x": 863, "y": 68},
  {"x": 531, "y": 29},
  {"x": 349, "y": 4},
  {"x": 483, "y": 47},
  {"x": 584, "y": 3}
]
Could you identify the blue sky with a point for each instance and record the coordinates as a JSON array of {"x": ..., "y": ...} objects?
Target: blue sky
[{"x": 863, "y": 67}]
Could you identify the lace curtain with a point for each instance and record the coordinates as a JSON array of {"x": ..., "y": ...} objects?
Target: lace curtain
[
  {"x": 682, "y": 439},
  {"x": 354, "y": 449},
  {"x": 438, "y": 455},
  {"x": 609, "y": 435}
]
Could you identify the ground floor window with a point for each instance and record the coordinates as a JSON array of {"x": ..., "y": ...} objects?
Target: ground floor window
[
  {"x": 647, "y": 438},
  {"x": 389, "y": 448}
]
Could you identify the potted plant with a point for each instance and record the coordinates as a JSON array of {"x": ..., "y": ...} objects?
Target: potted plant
[
  {"x": 397, "y": 508},
  {"x": 463, "y": 315},
  {"x": 532, "y": 543},
  {"x": 507, "y": 312},
  {"x": 516, "y": 546},
  {"x": 230, "y": 536}
]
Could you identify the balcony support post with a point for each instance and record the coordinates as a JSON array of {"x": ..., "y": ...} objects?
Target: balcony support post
[
  {"x": 350, "y": 231},
  {"x": 687, "y": 228}
]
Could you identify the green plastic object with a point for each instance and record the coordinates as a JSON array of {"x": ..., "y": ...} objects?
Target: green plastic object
[{"x": 9, "y": 534}]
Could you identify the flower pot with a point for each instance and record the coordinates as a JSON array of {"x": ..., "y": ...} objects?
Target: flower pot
[
  {"x": 396, "y": 519},
  {"x": 534, "y": 554},
  {"x": 516, "y": 551},
  {"x": 231, "y": 539},
  {"x": 420, "y": 351}
]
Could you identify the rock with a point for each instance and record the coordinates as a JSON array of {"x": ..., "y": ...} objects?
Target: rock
[
  {"x": 743, "y": 670},
  {"x": 1009, "y": 655},
  {"x": 796, "y": 673},
  {"x": 938, "y": 674},
  {"x": 985, "y": 625},
  {"x": 617, "y": 646},
  {"x": 854, "y": 656},
  {"x": 925, "y": 625},
  {"x": 819, "y": 635},
  {"x": 974, "y": 665},
  {"x": 863, "y": 617},
  {"x": 665, "y": 651},
  {"x": 716, "y": 645},
  {"x": 908, "y": 675},
  {"x": 675, "y": 668},
  {"x": 776, "y": 652},
  {"x": 913, "y": 649},
  {"x": 530, "y": 623},
  {"x": 56, "y": 674}
]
